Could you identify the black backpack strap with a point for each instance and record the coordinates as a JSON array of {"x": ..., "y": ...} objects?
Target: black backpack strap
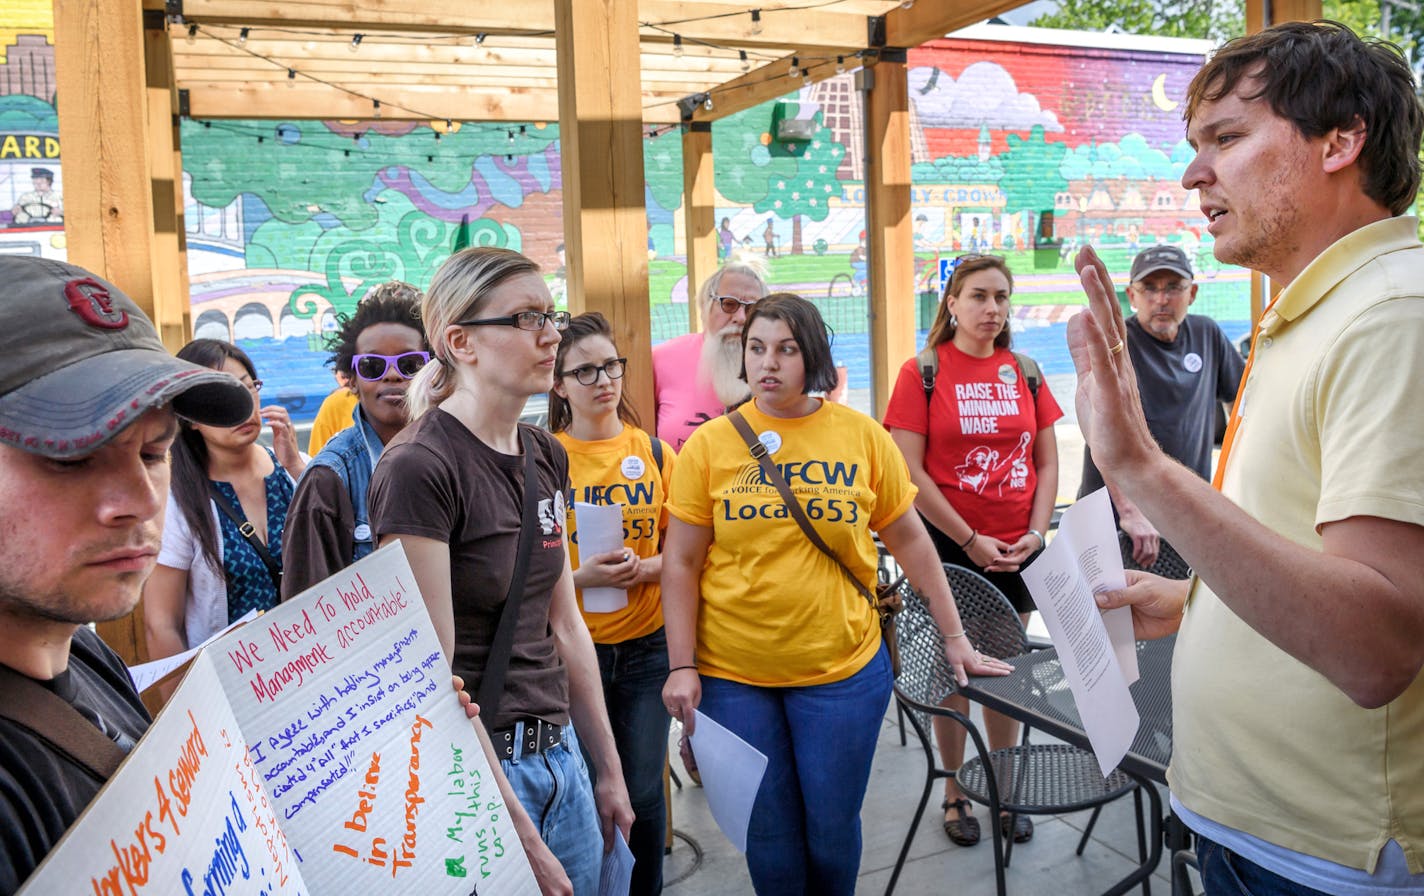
[
  {"x": 928, "y": 361},
  {"x": 491, "y": 688},
  {"x": 1031, "y": 372},
  {"x": 54, "y": 720},
  {"x": 249, "y": 532},
  {"x": 656, "y": 445}
]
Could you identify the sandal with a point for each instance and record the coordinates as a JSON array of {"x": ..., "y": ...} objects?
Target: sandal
[
  {"x": 1022, "y": 828},
  {"x": 963, "y": 830}
]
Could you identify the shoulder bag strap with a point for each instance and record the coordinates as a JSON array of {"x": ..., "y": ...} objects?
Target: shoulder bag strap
[
  {"x": 773, "y": 475},
  {"x": 249, "y": 532},
  {"x": 655, "y": 446},
  {"x": 491, "y": 688},
  {"x": 31, "y": 705}
]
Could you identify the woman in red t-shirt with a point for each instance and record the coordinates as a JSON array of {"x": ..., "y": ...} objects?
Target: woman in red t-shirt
[{"x": 981, "y": 450}]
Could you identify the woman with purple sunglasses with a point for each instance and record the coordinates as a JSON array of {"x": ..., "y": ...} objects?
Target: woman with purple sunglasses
[{"x": 380, "y": 348}]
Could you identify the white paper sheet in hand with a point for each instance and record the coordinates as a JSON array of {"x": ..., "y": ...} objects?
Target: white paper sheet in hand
[
  {"x": 731, "y": 771},
  {"x": 615, "y": 878},
  {"x": 145, "y": 675},
  {"x": 1059, "y": 581},
  {"x": 600, "y": 530}
]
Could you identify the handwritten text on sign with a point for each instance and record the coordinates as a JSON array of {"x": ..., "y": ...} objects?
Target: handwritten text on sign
[
  {"x": 184, "y": 815},
  {"x": 357, "y": 736}
]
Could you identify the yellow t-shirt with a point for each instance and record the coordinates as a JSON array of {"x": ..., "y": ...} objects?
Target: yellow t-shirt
[
  {"x": 621, "y": 471},
  {"x": 332, "y": 417},
  {"x": 774, "y": 610}
]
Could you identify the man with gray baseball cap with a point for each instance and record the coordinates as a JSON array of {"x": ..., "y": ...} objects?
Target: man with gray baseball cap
[
  {"x": 89, "y": 400},
  {"x": 1185, "y": 367}
]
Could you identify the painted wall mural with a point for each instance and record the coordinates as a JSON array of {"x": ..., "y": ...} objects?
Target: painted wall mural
[{"x": 1017, "y": 147}]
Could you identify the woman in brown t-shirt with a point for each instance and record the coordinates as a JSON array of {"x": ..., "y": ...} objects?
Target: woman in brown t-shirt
[{"x": 450, "y": 488}]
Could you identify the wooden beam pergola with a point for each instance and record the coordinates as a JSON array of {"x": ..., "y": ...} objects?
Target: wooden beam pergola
[{"x": 122, "y": 66}]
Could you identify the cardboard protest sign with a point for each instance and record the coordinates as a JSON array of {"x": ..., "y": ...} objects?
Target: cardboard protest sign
[
  {"x": 337, "y": 708},
  {"x": 185, "y": 813}
]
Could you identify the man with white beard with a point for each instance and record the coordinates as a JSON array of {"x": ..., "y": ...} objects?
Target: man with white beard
[{"x": 696, "y": 378}]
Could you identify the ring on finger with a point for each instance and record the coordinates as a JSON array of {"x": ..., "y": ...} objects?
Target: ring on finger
[{"x": 1116, "y": 349}]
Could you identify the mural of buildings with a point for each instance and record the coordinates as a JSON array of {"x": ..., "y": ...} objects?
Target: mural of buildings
[{"x": 1024, "y": 142}]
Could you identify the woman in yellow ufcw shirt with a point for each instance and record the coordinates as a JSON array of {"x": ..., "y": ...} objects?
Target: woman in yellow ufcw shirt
[
  {"x": 766, "y": 635},
  {"x": 613, "y": 461}
]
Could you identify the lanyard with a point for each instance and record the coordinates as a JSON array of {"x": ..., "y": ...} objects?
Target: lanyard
[{"x": 1235, "y": 422}]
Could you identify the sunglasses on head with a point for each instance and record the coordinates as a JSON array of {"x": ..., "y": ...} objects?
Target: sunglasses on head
[{"x": 372, "y": 367}]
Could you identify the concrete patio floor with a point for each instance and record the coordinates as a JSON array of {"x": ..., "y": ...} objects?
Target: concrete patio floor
[{"x": 704, "y": 863}]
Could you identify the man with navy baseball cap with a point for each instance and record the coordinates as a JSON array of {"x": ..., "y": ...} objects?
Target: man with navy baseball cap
[
  {"x": 89, "y": 401},
  {"x": 1185, "y": 368}
]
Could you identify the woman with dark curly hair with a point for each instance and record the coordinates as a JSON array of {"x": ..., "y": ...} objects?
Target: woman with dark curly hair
[{"x": 380, "y": 349}]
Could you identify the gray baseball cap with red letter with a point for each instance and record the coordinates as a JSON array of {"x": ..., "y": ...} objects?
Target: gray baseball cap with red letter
[{"x": 79, "y": 361}]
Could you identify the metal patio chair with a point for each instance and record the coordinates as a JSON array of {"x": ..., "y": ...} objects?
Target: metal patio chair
[{"x": 1032, "y": 779}]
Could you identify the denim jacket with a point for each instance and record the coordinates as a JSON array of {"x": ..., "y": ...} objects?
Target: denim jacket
[{"x": 353, "y": 453}]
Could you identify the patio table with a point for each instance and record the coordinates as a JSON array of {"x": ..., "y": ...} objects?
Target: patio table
[{"x": 1037, "y": 693}]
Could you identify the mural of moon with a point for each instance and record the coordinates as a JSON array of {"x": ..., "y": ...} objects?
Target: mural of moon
[{"x": 1159, "y": 94}]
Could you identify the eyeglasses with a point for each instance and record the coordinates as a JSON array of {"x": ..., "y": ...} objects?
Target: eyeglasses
[
  {"x": 372, "y": 367},
  {"x": 524, "y": 320},
  {"x": 587, "y": 375},
  {"x": 253, "y": 386},
  {"x": 1172, "y": 291},
  {"x": 730, "y": 304}
]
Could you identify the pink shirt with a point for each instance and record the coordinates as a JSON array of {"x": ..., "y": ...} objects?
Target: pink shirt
[{"x": 683, "y": 403}]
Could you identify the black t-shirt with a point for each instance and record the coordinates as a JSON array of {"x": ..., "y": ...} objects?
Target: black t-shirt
[
  {"x": 1180, "y": 382},
  {"x": 437, "y": 480},
  {"x": 43, "y": 791}
]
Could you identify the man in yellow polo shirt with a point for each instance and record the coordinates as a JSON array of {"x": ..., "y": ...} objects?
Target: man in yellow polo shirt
[{"x": 1298, "y": 701}]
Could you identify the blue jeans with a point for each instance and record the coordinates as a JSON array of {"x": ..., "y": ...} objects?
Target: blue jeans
[
  {"x": 633, "y": 676},
  {"x": 1224, "y": 873},
  {"x": 553, "y": 787},
  {"x": 804, "y": 836}
]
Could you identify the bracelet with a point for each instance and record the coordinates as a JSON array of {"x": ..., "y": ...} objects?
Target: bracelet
[
  {"x": 1041, "y": 542},
  {"x": 958, "y": 634},
  {"x": 973, "y": 534},
  {"x": 680, "y": 668}
]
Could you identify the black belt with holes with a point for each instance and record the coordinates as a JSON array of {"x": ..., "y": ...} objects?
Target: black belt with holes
[{"x": 538, "y": 737}]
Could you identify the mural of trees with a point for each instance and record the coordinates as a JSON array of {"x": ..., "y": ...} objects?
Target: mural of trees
[{"x": 788, "y": 180}]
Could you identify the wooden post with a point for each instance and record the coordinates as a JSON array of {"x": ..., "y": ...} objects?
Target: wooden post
[
  {"x": 171, "y": 305},
  {"x": 106, "y": 145},
  {"x": 605, "y": 218},
  {"x": 699, "y": 199},
  {"x": 123, "y": 208},
  {"x": 887, "y": 211}
]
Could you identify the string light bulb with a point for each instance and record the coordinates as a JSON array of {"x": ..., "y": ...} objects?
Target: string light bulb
[
  {"x": 840, "y": 65},
  {"x": 746, "y": 63},
  {"x": 356, "y": 42},
  {"x": 242, "y": 37},
  {"x": 795, "y": 66},
  {"x": 376, "y": 108},
  {"x": 677, "y": 45},
  {"x": 707, "y": 103},
  {"x": 806, "y": 76},
  {"x": 291, "y": 77},
  {"x": 480, "y": 39},
  {"x": 192, "y": 33},
  {"x": 756, "y": 22}
]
